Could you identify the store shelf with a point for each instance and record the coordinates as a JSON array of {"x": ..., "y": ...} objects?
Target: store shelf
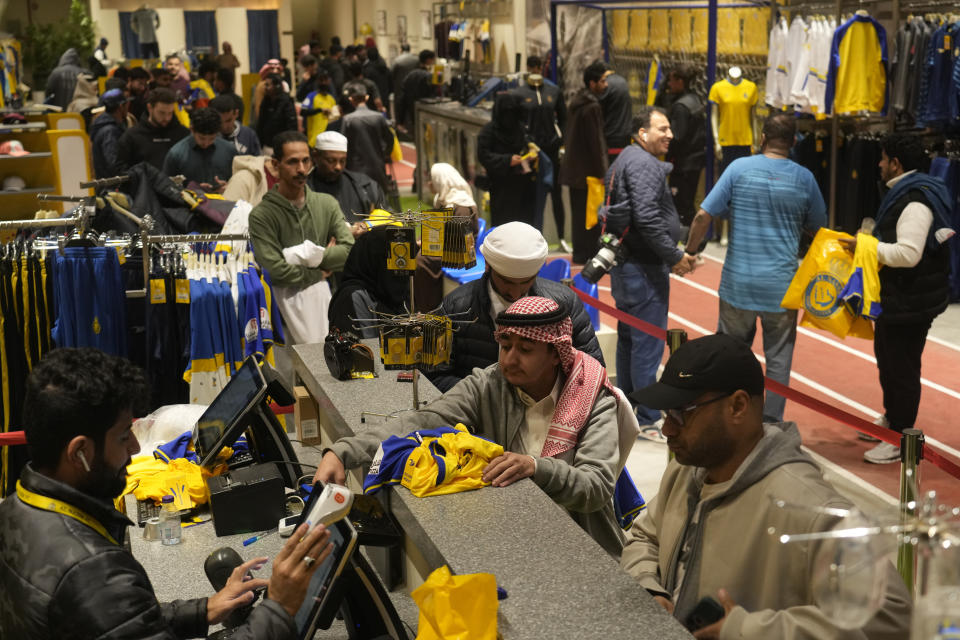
[
  {"x": 29, "y": 190},
  {"x": 16, "y": 128},
  {"x": 35, "y": 154}
]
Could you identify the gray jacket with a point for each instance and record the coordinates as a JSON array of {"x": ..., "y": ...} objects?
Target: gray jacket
[{"x": 581, "y": 480}]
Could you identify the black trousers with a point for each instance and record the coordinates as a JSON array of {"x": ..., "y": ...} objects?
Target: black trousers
[
  {"x": 556, "y": 198},
  {"x": 898, "y": 348},
  {"x": 685, "y": 182},
  {"x": 584, "y": 240}
]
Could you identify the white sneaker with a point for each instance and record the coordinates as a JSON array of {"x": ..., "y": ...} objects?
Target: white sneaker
[
  {"x": 883, "y": 453},
  {"x": 653, "y": 432},
  {"x": 880, "y": 422},
  {"x": 567, "y": 248}
]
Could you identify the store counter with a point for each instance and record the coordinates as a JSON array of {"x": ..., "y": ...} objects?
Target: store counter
[{"x": 560, "y": 583}]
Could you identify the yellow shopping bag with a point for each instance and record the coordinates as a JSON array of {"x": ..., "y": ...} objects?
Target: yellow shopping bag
[
  {"x": 457, "y": 607},
  {"x": 396, "y": 153},
  {"x": 816, "y": 288},
  {"x": 595, "y": 193}
]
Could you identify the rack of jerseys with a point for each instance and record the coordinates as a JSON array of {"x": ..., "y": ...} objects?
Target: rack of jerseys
[
  {"x": 858, "y": 192},
  {"x": 52, "y": 297},
  {"x": 947, "y": 168},
  {"x": 926, "y": 72},
  {"x": 818, "y": 67},
  {"x": 210, "y": 307},
  {"x": 455, "y": 37}
]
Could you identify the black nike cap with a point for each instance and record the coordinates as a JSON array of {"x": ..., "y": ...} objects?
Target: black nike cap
[{"x": 711, "y": 363}]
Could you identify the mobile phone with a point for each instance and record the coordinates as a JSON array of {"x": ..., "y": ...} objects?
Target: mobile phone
[{"x": 705, "y": 613}]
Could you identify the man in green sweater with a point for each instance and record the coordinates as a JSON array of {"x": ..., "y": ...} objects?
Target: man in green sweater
[{"x": 299, "y": 238}]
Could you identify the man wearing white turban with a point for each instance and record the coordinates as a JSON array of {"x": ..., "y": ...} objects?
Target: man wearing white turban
[
  {"x": 514, "y": 253},
  {"x": 357, "y": 193}
]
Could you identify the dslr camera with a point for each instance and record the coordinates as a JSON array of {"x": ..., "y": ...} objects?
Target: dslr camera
[{"x": 611, "y": 253}]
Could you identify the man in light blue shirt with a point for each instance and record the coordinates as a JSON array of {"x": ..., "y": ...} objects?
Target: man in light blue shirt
[{"x": 769, "y": 200}]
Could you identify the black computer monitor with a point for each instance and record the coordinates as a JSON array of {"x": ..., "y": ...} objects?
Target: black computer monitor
[
  {"x": 269, "y": 443},
  {"x": 242, "y": 406},
  {"x": 228, "y": 415}
]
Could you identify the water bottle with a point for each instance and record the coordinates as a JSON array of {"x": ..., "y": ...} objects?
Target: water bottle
[{"x": 169, "y": 521}]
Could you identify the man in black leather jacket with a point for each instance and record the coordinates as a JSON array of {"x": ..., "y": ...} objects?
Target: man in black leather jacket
[
  {"x": 63, "y": 570},
  {"x": 514, "y": 253}
]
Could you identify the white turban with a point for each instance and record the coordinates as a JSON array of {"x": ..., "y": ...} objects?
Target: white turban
[
  {"x": 515, "y": 250},
  {"x": 331, "y": 141}
]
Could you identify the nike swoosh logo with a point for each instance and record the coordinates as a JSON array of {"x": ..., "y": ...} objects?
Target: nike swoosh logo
[{"x": 685, "y": 375}]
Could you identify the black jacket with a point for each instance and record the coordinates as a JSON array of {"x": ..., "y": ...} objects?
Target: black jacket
[
  {"x": 61, "y": 579},
  {"x": 617, "y": 112},
  {"x": 473, "y": 343},
  {"x": 369, "y": 141},
  {"x": 356, "y": 192},
  {"x": 688, "y": 121},
  {"x": 277, "y": 114},
  {"x": 586, "y": 147},
  {"x": 919, "y": 293},
  {"x": 105, "y": 134},
  {"x": 145, "y": 142},
  {"x": 545, "y": 116}
]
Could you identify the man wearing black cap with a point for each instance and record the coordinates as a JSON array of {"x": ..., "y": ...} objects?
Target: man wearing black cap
[
  {"x": 105, "y": 133},
  {"x": 713, "y": 529}
]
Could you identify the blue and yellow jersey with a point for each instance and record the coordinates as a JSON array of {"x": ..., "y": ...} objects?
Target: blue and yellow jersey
[
  {"x": 861, "y": 295},
  {"x": 432, "y": 462},
  {"x": 857, "y": 75}
]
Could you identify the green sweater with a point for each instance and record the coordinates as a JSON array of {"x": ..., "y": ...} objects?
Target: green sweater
[{"x": 276, "y": 224}]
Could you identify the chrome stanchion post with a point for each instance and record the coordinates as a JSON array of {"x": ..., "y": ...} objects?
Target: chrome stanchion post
[
  {"x": 675, "y": 338},
  {"x": 911, "y": 453}
]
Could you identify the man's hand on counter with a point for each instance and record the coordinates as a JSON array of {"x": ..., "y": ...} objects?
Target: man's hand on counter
[
  {"x": 294, "y": 566},
  {"x": 330, "y": 470},
  {"x": 236, "y": 593},
  {"x": 508, "y": 468}
]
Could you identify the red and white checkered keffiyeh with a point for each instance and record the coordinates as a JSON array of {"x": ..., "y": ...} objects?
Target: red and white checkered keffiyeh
[{"x": 542, "y": 320}]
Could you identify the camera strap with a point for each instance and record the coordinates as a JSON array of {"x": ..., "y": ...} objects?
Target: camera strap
[{"x": 603, "y": 229}]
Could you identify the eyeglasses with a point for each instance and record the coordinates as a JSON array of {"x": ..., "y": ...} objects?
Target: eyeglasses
[{"x": 677, "y": 415}]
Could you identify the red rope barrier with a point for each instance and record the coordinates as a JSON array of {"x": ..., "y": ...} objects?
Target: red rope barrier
[
  {"x": 12, "y": 438},
  {"x": 929, "y": 452}
]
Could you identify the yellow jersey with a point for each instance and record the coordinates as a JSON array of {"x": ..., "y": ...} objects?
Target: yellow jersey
[{"x": 735, "y": 102}]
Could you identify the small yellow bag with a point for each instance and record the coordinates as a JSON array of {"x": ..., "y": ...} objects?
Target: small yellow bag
[
  {"x": 816, "y": 288},
  {"x": 396, "y": 153},
  {"x": 457, "y": 607},
  {"x": 595, "y": 195}
]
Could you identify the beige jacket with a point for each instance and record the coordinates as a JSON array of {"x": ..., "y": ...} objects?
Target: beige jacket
[
  {"x": 739, "y": 548},
  {"x": 249, "y": 179}
]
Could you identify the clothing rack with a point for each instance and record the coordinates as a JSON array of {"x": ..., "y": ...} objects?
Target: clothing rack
[
  {"x": 146, "y": 240},
  {"x": 37, "y": 224}
]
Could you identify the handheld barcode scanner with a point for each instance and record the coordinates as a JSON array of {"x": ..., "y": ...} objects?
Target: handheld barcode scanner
[{"x": 328, "y": 503}]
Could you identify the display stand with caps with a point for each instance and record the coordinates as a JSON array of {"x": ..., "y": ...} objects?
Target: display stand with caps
[{"x": 421, "y": 341}]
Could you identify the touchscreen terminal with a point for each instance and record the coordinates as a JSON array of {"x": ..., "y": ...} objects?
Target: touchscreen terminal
[
  {"x": 220, "y": 425},
  {"x": 343, "y": 537}
]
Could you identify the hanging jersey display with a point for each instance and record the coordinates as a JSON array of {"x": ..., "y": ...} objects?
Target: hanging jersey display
[{"x": 857, "y": 75}]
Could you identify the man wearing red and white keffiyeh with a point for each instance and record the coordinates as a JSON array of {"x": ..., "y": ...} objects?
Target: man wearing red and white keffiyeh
[
  {"x": 541, "y": 320},
  {"x": 549, "y": 405}
]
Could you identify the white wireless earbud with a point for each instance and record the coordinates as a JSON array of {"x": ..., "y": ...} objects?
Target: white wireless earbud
[
  {"x": 83, "y": 461},
  {"x": 644, "y": 137}
]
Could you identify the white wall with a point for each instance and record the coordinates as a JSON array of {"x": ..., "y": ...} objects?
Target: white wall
[
  {"x": 232, "y": 28},
  {"x": 171, "y": 36},
  {"x": 336, "y": 17}
]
